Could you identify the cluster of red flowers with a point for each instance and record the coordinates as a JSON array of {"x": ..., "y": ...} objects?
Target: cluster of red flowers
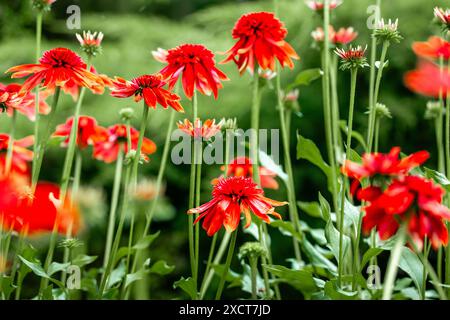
[
  {"x": 394, "y": 197},
  {"x": 341, "y": 37}
]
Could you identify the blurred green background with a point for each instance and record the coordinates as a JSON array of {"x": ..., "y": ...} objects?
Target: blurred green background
[{"x": 133, "y": 28}]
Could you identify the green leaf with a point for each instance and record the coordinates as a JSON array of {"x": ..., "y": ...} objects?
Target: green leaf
[
  {"x": 36, "y": 267},
  {"x": 316, "y": 257},
  {"x": 411, "y": 264},
  {"x": 187, "y": 285},
  {"x": 145, "y": 242},
  {"x": 335, "y": 293},
  {"x": 47, "y": 294},
  {"x": 324, "y": 208},
  {"x": 57, "y": 267},
  {"x": 438, "y": 177},
  {"x": 132, "y": 277},
  {"x": 368, "y": 255},
  {"x": 311, "y": 208},
  {"x": 286, "y": 228},
  {"x": 301, "y": 280},
  {"x": 6, "y": 285},
  {"x": 123, "y": 252},
  {"x": 116, "y": 275},
  {"x": 307, "y": 150},
  {"x": 161, "y": 268},
  {"x": 355, "y": 134},
  {"x": 306, "y": 77},
  {"x": 83, "y": 260},
  {"x": 332, "y": 235}
]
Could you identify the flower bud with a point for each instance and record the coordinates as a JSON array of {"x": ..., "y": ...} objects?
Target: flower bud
[
  {"x": 42, "y": 5},
  {"x": 252, "y": 250},
  {"x": 387, "y": 31},
  {"x": 126, "y": 114},
  {"x": 382, "y": 111},
  {"x": 434, "y": 110},
  {"x": 70, "y": 243},
  {"x": 91, "y": 42}
]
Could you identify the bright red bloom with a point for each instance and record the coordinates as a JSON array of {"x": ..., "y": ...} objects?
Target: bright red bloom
[
  {"x": 344, "y": 36},
  {"x": 434, "y": 48},
  {"x": 242, "y": 167},
  {"x": 22, "y": 211},
  {"x": 231, "y": 196},
  {"x": 205, "y": 130},
  {"x": 410, "y": 199},
  {"x": 10, "y": 100},
  {"x": 88, "y": 131},
  {"x": 351, "y": 54},
  {"x": 20, "y": 154},
  {"x": 58, "y": 67},
  {"x": 195, "y": 63},
  {"x": 116, "y": 139},
  {"x": 260, "y": 37},
  {"x": 428, "y": 80},
  {"x": 389, "y": 164},
  {"x": 27, "y": 101},
  {"x": 147, "y": 87}
]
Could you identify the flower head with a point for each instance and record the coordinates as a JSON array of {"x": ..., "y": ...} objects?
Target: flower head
[
  {"x": 88, "y": 131},
  {"x": 434, "y": 110},
  {"x": 381, "y": 111},
  {"x": 20, "y": 154},
  {"x": 91, "y": 42},
  {"x": 115, "y": 139},
  {"x": 434, "y": 48},
  {"x": 197, "y": 67},
  {"x": 408, "y": 199},
  {"x": 428, "y": 80},
  {"x": 387, "y": 31},
  {"x": 58, "y": 67},
  {"x": 260, "y": 38},
  {"x": 352, "y": 58},
  {"x": 443, "y": 17},
  {"x": 231, "y": 196},
  {"x": 344, "y": 36},
  {"x": 205, "y": 130},
  {"x": 319, "y": 5},
  {"x": 12, "y": 98},
  {"x": 147, "y": 87},
  {"x": 243, "y": 167},
  {"x": 42, "y": 5}
]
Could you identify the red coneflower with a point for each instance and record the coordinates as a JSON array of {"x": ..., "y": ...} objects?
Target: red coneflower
[
  {"x": 147, "y": 87},
  {"x": 354, "y": 57},
  {"x": 260, "y": 37},
  {"x": 205, "y": 130},
  {"x": 90, "y": 42},
  {"x": 231, "y": 196},
  {"x": 319, "y": 5},
  {"x": 428, "y": 80},
  {"x": 26, "y": 106},
  {"x": 88, "y": 131},
  {"x": 196, "y": 64},
  {"x": 20, "y": 154},
  {"x": 58, "y": 67},
  {"x": 243, "y": 167},
  {"x": 443, "y": 16},
  {"x": 389, "y": 164},
  {"x": 410, "y": 199},
  {"x": 344, "y": 36},
  {"x": 115, "y": 139},
  {"x": 434, "y": 48}
]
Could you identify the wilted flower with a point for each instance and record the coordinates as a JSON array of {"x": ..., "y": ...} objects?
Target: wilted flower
[
  {"x": 91, "y": 42},
  {"x": 352, "y": 58},
  {"x": 387, "y": 31},
  {"x": 260, "y": 38},
  {"x": 231, "y": 196}
]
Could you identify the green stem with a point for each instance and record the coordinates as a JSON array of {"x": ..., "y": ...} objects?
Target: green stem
[
  {"x": 376, "y": 93},
  {"x": 208, "y": 263},
  {"x": 337, "y": 140},
  {"x": 253, "y": 271},
  {"x": 12, "y": 133},
  {"x": 158, "y": 188},
  {"x": 198, "y": 179},
  {"x": 192, "y": 253},
  {"x": 137, "y": 157},
  {"x": 394, "y": 260},
  {"x": 113, "y": 207},
  {"x": 43, "y": 142},
  {"x": 426, "y": 247},
  {"x": 377, "y": 134},
  {"x": 447, "y": 157},
  {"x": 354, "y": 73},
  {"x": 227, "y": 265},
  {"x": 256, "y": 104},
  {"x": 36, "y": 105}
]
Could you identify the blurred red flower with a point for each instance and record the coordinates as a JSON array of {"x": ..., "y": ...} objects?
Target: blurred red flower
[
  {"x": 205, "y": 130},
  {"x": 195, "y": 63},
  {"x": 410, "y": 199},
  {"x": 115, "y": 139},
  {"x": 231, "y": 196},
  {"x": 242, "y": 167},
  {"x": 147, "y": 87},
  {"x": 260, "y": 37},
  {"x": 434, "y": 48},
  {"x": 20, "y": 154},
  {"x": 59, "y": 67},
  {"x": 88, "y": 131},
  {"x": 384, "y": 164},
  {"x": 25, "y": 101},
  {"x": 318, "y": 5},
  {"x": 428, "y": 80}
]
